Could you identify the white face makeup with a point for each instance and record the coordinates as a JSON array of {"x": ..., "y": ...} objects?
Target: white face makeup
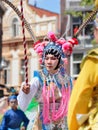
[{"x": 51, "y": 63}]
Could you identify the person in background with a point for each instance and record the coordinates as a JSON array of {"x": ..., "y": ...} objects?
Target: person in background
[
  {"x": 51, "y": 85},
  {"x": 75, "y": 29},
  {"x": 83, "y": 104},
  {"x": 14, "y": 117}
]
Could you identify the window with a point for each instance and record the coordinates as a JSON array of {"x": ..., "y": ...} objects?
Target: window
[
  {"x": 88, "y": 29},
  {"x": 77, "y": 57},
  {"x": 6, "y": 77},
  {"x": 76, "y": 69},
  {"x": 86, "y": 34},
  {"x": 76, "y": 60},
  {"x": 15, "y": 27},
  {"x": 7, "y": 73},
  {"x": 1, "y": 93},
  {"x": 77, "y": 21}
]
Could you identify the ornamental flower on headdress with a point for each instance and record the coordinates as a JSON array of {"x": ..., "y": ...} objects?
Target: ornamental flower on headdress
[{"x": 63, "y": 47}]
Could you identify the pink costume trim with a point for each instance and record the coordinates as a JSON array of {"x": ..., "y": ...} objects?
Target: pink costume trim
[{"x": 62, "y": 110}]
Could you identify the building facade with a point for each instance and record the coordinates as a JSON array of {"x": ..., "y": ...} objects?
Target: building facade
[
  {"x": 69, "y": 26},
  {"x": 2, "y": 11},
  {"x": 41, "y": 21}
]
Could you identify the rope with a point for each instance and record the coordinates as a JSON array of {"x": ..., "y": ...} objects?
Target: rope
[
  {"x": 27, "y": 25},
  {"x": 85, "y": 22},
  {"x": 24, "y": 43}
]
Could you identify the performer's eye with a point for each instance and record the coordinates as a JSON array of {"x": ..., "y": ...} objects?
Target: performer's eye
[
  {"x": 53, "y": 58},
  {"x": 46, "y": 58}
]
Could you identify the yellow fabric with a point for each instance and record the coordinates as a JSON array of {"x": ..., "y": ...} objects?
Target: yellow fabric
[
  {"x": 82, "y": 91},
  {"x": 92, "y": 122},
  {"x": 96, "y": 3}
]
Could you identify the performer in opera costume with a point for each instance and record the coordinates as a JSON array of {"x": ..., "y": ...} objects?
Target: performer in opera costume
[
  {"x": 51, "y": 85},
  {"x": 83, "y": 104}
]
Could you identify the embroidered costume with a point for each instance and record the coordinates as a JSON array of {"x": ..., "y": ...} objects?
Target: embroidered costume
[{"x": 52, "y": 91}]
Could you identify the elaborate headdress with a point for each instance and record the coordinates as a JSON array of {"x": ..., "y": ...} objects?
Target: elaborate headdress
[{"x": 61, "y": 47}]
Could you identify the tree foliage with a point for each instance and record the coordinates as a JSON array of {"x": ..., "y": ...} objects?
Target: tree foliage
[
  {"x": 87, "y": 2},
  {"x": 83, "y": 3}
]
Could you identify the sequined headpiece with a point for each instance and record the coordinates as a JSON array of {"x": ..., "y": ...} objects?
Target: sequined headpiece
[
  {"x": 61, "y": 47},
  {"x": 54, "y": 49}
]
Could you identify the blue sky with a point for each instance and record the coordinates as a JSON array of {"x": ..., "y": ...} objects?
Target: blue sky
[{"x": 52, "y": 5}]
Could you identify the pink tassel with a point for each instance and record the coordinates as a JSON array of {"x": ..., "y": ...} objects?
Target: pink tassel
[
  {"x": 62, "y": 111},
  {"x": 45, "y": 94}
]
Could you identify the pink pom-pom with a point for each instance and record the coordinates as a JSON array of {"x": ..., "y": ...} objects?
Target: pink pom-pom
[
  {"x": 36, "y": 44},
  {"x": 73, "y": 41},
  {"x": 61, "y": 41},
  {"x": 40, "y": 60},
  {"x": 44, "y": 43},
  {"x": 40, "y": 54},
  {"x": 67, "y": 48},
  {"x": 39, "y": 49},
  {"x": 52, "y": 36}
]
